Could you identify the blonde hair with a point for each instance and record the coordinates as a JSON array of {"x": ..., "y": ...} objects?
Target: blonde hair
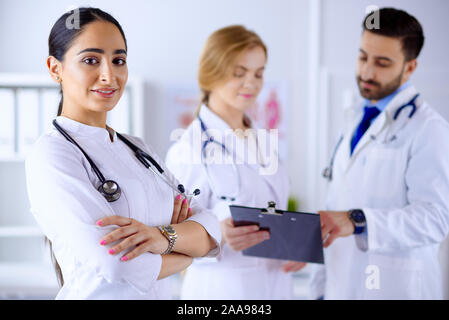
[{"x": 219, "y": 54}]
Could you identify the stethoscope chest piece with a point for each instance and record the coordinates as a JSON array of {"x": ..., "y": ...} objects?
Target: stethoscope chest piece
[{"x": 110, "y": 190}]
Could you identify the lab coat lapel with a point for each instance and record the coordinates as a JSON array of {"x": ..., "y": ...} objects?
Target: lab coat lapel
[
  {"x": 352, "y": 118},
  {"x": 236, "y": 148},
  {"x": 401, "y": 99},
  {"x": 379, "y": 125}
]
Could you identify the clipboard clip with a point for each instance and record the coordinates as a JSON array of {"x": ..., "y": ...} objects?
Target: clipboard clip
[{"x": 271, "y": 209}]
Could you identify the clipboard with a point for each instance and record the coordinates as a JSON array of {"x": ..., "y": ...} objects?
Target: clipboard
[{"x": 294, "y": 236}]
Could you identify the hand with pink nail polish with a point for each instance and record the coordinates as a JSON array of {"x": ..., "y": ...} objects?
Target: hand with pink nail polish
[
  {"x": 132, "y": 235},
  {"x": 181, "y": 210}
]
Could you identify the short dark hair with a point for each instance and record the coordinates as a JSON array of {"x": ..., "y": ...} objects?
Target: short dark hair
[{"x": 398, "y": 24}]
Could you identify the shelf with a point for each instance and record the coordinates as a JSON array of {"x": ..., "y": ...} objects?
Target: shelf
[{"x": 20, "y": 231}]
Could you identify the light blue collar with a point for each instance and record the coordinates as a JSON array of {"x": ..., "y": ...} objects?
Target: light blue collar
[{"x": 383, "y": 103}]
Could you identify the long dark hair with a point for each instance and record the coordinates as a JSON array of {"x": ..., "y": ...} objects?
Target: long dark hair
[{"x": 64, "y": 32}]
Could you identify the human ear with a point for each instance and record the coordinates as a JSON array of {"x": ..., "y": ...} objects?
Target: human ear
[
  {"x": 410, "y": 67},
  {"x": 54, "y": 68}
]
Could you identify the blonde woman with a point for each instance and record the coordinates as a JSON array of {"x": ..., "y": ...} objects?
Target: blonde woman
[{"x": 230, "y": 76}]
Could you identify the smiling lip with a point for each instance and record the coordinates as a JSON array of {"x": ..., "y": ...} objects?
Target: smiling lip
[
  {"x": 105, "y": 93},
  {"x": 247, "y": 96}
]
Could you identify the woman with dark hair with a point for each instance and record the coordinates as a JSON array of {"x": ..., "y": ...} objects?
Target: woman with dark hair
[{"x": 111, "y": 242}]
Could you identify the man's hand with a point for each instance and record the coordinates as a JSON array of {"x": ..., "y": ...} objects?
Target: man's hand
[{"x": 335, "y": 224}]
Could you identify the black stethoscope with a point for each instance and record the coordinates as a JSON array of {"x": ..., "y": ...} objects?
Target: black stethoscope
[
  {"x": 328, "y": 171},
  {"x": 109, "y": 188}
]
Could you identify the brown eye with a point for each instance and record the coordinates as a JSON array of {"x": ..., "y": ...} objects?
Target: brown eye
[
  {"x": 90, "y": 61},
  {"x": 119, "y": 61}
]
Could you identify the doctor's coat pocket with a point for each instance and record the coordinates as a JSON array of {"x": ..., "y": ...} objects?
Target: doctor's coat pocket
[
  {"x": 388, "y": 277},
  {"x": 384, "y": 171}
]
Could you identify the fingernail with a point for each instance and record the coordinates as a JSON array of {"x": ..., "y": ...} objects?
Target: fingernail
[
  {"x": 103, "y": 242},
  {"x": 185, "y": 200},
  {"x": 124, "y": 258},
  {"x": 99, "y": 223},
  {"x": 178, "y": 197},
  {"x": 189, "y": 210},
  {"x": 111, "y": 251}
]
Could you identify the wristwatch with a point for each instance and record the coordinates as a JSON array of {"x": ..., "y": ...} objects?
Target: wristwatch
[
  {"x": 358, "y": 219},
  {"x": 171, "y": 235}
]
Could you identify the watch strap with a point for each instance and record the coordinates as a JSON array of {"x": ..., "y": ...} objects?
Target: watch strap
[
  {"x": 360, "y": 222},
  {"x": 170, "y": 237}
]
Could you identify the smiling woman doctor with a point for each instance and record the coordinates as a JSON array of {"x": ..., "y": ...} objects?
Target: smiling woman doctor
[
  {"x": 70, "y": 169},
  {"x": 231, "y": 77}
]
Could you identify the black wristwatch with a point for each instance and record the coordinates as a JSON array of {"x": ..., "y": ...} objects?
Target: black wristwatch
[{"x": 358, "y": 219}]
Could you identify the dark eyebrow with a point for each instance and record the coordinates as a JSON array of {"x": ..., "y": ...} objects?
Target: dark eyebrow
[
  {"x": 120, "y": 51},
  {"x": 377, "y": 57},
  {"x": 101, "y": 51}
]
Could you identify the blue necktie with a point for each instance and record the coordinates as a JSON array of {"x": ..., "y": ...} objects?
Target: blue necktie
[{"x": 370, "y": 114}]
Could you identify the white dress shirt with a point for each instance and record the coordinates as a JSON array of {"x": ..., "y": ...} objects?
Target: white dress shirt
[{"x": 62, "y": 188}]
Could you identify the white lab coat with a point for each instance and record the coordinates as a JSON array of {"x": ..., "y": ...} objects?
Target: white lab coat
[
  {"x": 402, "y": 186},
  {"x": 62, "y": 188},
  {"x": 231, "y": 275}
]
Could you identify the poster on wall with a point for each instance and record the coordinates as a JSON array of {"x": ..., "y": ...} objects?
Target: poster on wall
[{"x": 269, "y": 111}]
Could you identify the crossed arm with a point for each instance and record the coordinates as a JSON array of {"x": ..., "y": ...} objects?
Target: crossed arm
[{"x": 136, "y": 238}]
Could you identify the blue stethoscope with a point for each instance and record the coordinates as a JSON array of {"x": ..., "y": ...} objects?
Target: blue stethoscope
[
  {"x": 109, "y": 188},
  {"x": 328, "y": 171}
]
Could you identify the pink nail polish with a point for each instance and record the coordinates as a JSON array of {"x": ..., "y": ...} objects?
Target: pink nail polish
[
  {"x": 178, "y": 197},
  {"x": 111, "y": 251},
  {"x": 99, "y": 223},
  {"x": 103, "y": 242},
  {"x": 124, "y": 258},
  {"x": 184, "y": 201},
  {"x": 190, "y": 210}
]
